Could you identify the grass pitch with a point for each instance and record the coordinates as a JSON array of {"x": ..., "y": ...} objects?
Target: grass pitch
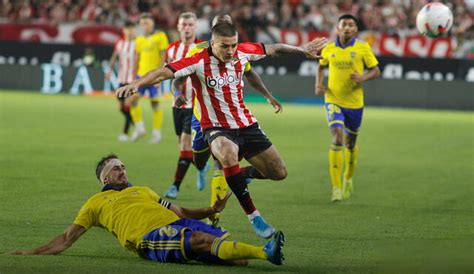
[{"x": 412, "y": 210}]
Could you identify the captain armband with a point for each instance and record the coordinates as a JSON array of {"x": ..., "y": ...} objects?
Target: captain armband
[{"x": 164, "y": 203}]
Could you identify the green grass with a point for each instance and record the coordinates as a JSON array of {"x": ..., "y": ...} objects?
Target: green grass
[{"x": 412, "y": 210}]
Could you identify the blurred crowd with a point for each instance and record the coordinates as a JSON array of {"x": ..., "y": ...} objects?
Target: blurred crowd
[{"x": 252, "y": 16}]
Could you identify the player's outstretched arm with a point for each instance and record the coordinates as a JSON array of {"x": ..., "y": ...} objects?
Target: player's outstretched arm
[
  {"x": 256, "y": 82},
  {"x": 153, "y": 77},
  {"x": 310, "y": 50},
  {"x": 201, "y": 213},
  {"x": 58, "y": 244}
]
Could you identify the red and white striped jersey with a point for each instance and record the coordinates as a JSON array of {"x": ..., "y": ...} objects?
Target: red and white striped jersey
[
  {"x": 219, "y": 85},
  {"x": 127, "y": 56},
  {"x": 177, "y": 51}
]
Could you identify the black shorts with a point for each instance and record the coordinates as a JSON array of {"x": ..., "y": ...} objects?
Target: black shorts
[
  {"x": 182, "y": 120},
  {"x": 251, "y": 140}
]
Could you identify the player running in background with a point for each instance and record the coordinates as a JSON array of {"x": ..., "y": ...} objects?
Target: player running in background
[
  {"x": 228, "y": 126},
  {"x": 155, "y": 229},
  {"x": 124, "y": 50},
  {"x": 151, "y": 50},
  {"x": 183, "y": 102},
  {"x": 344, "y": 99},
  {"x": 201, "y": 151}
]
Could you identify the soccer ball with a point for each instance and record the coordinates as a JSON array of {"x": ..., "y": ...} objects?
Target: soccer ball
[{"x": 434, "y": 19}]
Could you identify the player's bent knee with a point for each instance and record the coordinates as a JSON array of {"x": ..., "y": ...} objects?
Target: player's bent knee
[
  {"x": 229, "y": 160},
  {"x": 280, "y": 174},
  {"x": 277, "y": 171}
]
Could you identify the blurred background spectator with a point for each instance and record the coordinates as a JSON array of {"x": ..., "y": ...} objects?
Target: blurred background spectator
[{"x": 255, "y": 19}]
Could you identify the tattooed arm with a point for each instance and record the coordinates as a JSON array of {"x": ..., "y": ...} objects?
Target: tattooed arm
[{"x": 310, "y": 50}]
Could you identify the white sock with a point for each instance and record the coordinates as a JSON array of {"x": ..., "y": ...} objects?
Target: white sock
[
  {"x": 140, "y": 126},
  {"x": 253, "y": 215}
]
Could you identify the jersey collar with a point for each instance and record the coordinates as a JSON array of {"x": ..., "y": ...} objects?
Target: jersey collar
[
  {"x": 109, "y": 187},
  {"x": 351, "y": 43}
]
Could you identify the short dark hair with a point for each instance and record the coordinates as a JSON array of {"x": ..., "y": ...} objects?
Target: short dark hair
[
  {"x": 101, "y": 164},
  {"x": 129, "y": 24},
  {"x": 348, "y": 16},
  {"x": 224, "y": 29},
  {"x": 221, "y": 18}
]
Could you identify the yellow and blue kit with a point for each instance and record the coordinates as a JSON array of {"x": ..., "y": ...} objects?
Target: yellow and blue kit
[
  {"x": 344, "y": 99},
  {"x": 143, "y": 223},
  {"x": 149, "y": 50}
]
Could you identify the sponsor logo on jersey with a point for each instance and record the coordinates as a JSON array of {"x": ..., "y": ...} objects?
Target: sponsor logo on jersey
[{"x": 224, "y": 80}]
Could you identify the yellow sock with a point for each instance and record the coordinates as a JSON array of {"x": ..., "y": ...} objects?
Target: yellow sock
[
  {"x": 351, "y": 156},
  {"x": 157, "y": 119},
  {"x": 218, "y": 187},
  {"x": 335, "y": 165},
  {"x": 227, "y": 250},
  {"x": 136, "y": 113}
]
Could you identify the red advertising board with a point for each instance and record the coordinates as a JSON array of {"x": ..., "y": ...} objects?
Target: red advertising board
[{"x": 382, "y": 44}]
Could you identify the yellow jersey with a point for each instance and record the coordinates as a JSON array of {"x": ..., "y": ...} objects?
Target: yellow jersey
[
  {"x": 342, "y": 63},
  {"x": 196, "y": 49},
  {"x": 128, "y": 214},
  {"x": 149, "y": 50}
]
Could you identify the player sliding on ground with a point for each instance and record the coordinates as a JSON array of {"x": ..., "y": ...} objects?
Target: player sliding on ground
[
  {"x": 154, "y": 228},
  {"x": 344, "y": 99},
  {"x": 228, "y": 126}
]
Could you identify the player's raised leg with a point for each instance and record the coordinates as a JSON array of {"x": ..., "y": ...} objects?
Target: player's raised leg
[
  {"x": 267, "y": 165},
  {"x": 201, "y": 154},
  {"x": 226, "y": 152}
]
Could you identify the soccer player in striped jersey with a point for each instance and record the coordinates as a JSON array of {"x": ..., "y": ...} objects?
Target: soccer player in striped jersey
[
  {"x": 347, "y": 57},
  {"x": 124, "y": 50},
  {"x": 183, "y": 109},
  {"x": 201, "y": 151},
  {"x": 151, "y": 51},
  {"x": 155, "y": 229},
  {"x": 228, "y": 126}
]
